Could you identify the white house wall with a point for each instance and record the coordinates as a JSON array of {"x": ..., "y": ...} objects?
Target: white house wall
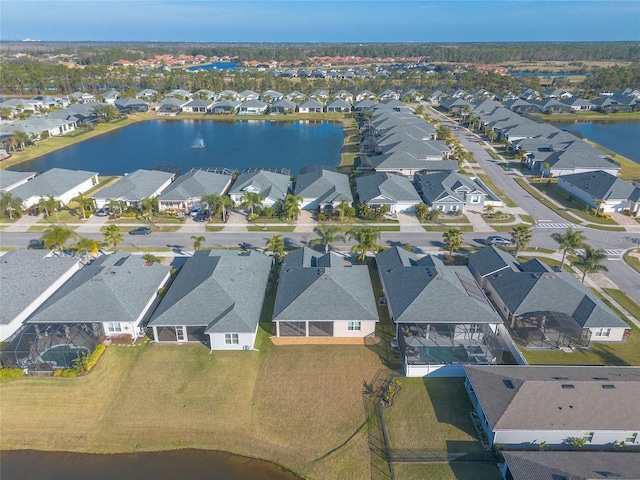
[
  {"x": 615, "y": 335},
  {"x": 431, "y": 371},
  {"x": 610, "y": 205},
  {"x": 340, "y": 329},
  {"x": 531, "y": 438},
  {"x": 245, "y": 341}
]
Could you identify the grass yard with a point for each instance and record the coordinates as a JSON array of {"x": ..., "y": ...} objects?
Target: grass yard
[
  {"x": 446, "y": 471},
  {"x": 625, "y": 302},
  {"x": 632, "y": 261},
  {"x": 542, "y": 199},
  {"x": 431, "y": 415},
  {"x": 445, "y": 228},
  {"x": 486, "y": 179},
  {"x": 270, "y": 228}
]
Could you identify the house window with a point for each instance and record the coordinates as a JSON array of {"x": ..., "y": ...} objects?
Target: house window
[
  {"x": 475, "y": 199},
  {"x": 114, "y": 327},
  {"x": 231, "y": 339},
  {"x": 475, "y": 328},
  {"x": 354, "y": 326},
  {"x": 588, "y": 436},
  {"x": 631, "y": 438},
  {"x": 603, "y": 332}
]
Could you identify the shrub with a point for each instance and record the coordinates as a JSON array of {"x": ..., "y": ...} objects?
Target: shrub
[
  {"x": 69, "y": 373},
  {"x": 95, "y": 356},
  {"x": 252, "y": 216},
  {"x": 321, "y": 217},
  {"x": 9, "y": 373}
]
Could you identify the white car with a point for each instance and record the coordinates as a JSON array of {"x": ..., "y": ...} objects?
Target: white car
[{"x": 499, "y": 241}]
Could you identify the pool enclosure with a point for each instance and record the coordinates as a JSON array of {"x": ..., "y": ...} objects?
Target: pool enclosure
[
  {"x": 549, "y": 330},
  {"x": 47, "y": 347}
]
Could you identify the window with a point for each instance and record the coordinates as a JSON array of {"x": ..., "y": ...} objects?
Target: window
[
  {"x": 114, "y": 327},
  {"x": 631, "y": 438},
  {"x": 475, "y": 328},
  {"x": 603, "y": 332},
  {"x": 588, "y": 436},
  {"x": 353, "y": 326},
  {"x": 231, "y": 339},
  {"x": 475, "y": 199}
]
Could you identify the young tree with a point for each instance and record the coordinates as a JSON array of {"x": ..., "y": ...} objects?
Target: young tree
[
  {"x": 57, "y": 237},
  {"x": 453, "y": 239},
  {"x": 149, "y": 206},
  {"x": 343, "y": 208},
  {"x": 569, "y": 242},
  {"x": 113, "y": 235},
  {"x": 48, "y": 205},
  {"x": 591, "y": 261},
  {"x": 327, "y": 234},
  {"x": 521, "y": 236},
  {"x": 249, "y": 200},
  {"x": 276, "y": 245},
  {"x": 83, "y": 202},
  {"x": 365, "y": 238},
  {"x": 89, "y": 246},
  {"x": 150, "y": 258},
  {"x": 10, "y": 204},
  {"x": 197, "y": 241},
  {"x": 422, "y": 212},
  {"x": 290, "y": 206}
]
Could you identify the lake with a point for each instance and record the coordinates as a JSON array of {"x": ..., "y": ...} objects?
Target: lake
[
  {"x": 236, "y": 145},
  {"x": 187, "y": 464},
  {"x": 622, "y": 137}
]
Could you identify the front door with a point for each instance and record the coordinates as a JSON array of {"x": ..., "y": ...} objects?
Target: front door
[{"x": 180, "y": 334}]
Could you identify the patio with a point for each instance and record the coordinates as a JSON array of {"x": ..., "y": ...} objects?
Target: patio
[{"x": 549, "y": 330}]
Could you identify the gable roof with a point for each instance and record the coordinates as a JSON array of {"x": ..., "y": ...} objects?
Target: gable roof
[
  {"x": 9, "y": 179},
  {"x": 603, "y": 185},
  {"x": 136, "y": 185},
  {"x": 270, "y": 184},
  {"x": 490, "y": 260},
  {"x": 307, "y": 257},
  {"x": 112, "y": 288},
  {"x": 220, "y": 290},
  {"x": 511, "y": 397},
  {"x": 56, "y": 181},
  {"x": 196, "y": 183},
  {"x": 324, "y": 185},
  {"x": 394, "y": 188},
  {"x": 440, "y": 185}
]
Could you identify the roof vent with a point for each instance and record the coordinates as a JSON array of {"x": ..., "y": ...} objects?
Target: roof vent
[
  {"x": 561, "y": 378},
  {"x": 568, "y": 386},
  {"x": 600, "y": 378},
  {"x": 509, "y": 384},
  {"x": 608, "y": 386}
]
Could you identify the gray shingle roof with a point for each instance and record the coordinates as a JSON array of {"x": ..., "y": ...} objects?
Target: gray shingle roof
[
  {"x": 325, "y": 185},
  {"x": 587, "y": 465},
  {"x": 113, "y": 288},
  {"x": 56, "y": 181},
  {"x": 9, "y": 178},
  {"x": 394, "y": 188},
  {"x": 325, "y": 294},
  {"x": 307, "y": 257},
  {"x": 221, "y": 290},
  {"x": 517, "y": 405},
  {"x": 602, "y": 185},
  {"x": 135, "y": 186},
  {"x": 196, "y": 184},
  {"x": 270, "y": 184},
  {"x": 27, "y": 274},
  {"x": 490, "y": 260}
]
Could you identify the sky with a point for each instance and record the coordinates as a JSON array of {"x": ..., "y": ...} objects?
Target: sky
[{"x": 352, "y": 21}]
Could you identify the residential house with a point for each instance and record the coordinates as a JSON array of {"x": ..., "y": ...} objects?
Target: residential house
[
  {"x": 272, "y": 185},
  {"x": 310, "y": 106},
  {"x": 522, "y": 407},
  {"x": 197, "y": 106},
  {"x": 180, "y": 94},
  {"x": 83, "y": 97},
  {"x": 602, "y": 191},
  {"x": 11, "y": 179},
  {"x": 147, "y": 93},
  {"x": 113, "y": 296},
  {"x": 253, "y": 107},
  {"x": 170, "y": 106},
  {"x": 216, "y": 299},
  {"x": 60, "y": 183},
  {"x": 344, "y": 95},
  {"x": 270, "y": 96},
  {"x": 247, "y": 95},
  {"x": 366, "y": 95},
  {"x": 295, "y": 96},
  {"x": 394, "y": 191},
  {"x": 319, "y": 296},
  {"x": 225, "y": 106},
  {"x": 281, "y": 107},
  {"x": 229, "y": 95},
  {"x": 575, "y": 465},
  {"x": 188, "y": 189},
  {"x": 131, "y": 105},
  {"x": 35, "y": 275},
  {"x": 110, "y": 97},
  {"x": 441, "y": 317},
  {"x": 320, "y": 95},
  {"x": 551, "y": 309},
  {"x": 338, "y": 105},
  {"x": 579, "y": 104},
  {"x": 451, "y": 191},
  {"x": 134, "y": 187},
  {"x": 322, "y": 189}
]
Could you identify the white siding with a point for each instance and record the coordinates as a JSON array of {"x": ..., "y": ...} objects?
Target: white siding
[
  {"x": 244, "y": 340},
  {"x": 558, "y": 437},
  {"x": 340, "y": 329}
]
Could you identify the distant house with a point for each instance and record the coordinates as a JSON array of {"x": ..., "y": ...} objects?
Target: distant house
[
  {"x": 131, "y": 105},
  {"x": 318, "y": 296},
  {"x": 441, "y": 317},
  {"x": 83, "y": 97},
  {"x": 272, "y": 185},
  {"x": 35, "y": 275},
  {"x": 338, "y": 105},
  {"x": 602, "y": 191},
  {"x": 225, "y": 106},
  {"x": 270, "y": 96},
  {"x": 253, "y": 107},
  {"x": 310, "y": 106},
  {"x": 280, "y": 107},
  {"x": 147, "y": 93},
  {"x": 110, "y": 97},
  {"x": 394, "y": 191},
  {"x": 520, "y": 407},
  {"x": 321, "y": 188},
  {"x": 578, "y": 465},
  {"x": 216, "y": 299},
  {"x": 60, "y": 183},
  {"x": 197, "y": 106},
  {"x": 170, "y": 106},
  {"x": 113, "y": 296},
  {"x": 188, "y": 189},
  {"x": 247, "y": 95},
  {"x": 134, "y": 187}
]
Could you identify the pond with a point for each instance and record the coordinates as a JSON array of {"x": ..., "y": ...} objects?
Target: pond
[
  {"x": 235, "y": 145},
  {"x": 188, "y": 464}
]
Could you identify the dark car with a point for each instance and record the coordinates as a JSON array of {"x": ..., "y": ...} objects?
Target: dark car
[
  {"x": 203, "y": 216},
  {"x": 34, "y": 211},
  {"x": 499, "y": 241},
  {"x": 102, "y": 212},
  {"x": 140, "y": 231}
]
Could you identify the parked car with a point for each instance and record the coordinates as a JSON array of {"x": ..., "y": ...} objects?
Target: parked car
[
  {"x": 34, "y": 211},
  {"x": 102, "y": 212},
  {"x": 140, "y": 231},
  {"x": 499, "y": 241},
  {"x": 203, "y": 216},
  {"x": 194, "y": 212}
]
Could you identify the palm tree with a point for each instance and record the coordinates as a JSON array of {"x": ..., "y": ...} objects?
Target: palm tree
[
  {"x": 291, "y": 206},
  {"x": 276, "y": 245},
  {"x": 197, "y": 241},
  {"x": 327, "y": 234},
  {"x": 569, "y": 242},
  {"x": 83, "y": 203},
  {"x": 21, "y": 139},
  {"x": 148, "y": 205},
  {"x": 591, "y": 261},
  {"x": 250, "y": 200},
  {"x": 48, "y": 204},
  {"x": 366, "y": 238},
  {"x": 57, "y": 237},
  {"x": 421, "y": 211},
  {"x": 10, "y": 204},
  {"x": 89, "y": 246},
  {"x": 521, "y": 236},
  {"x": 114, "y": 205},
  {"x": 113, "y": 235},
  {"x": 342, "y": 208},
  {"x": 150, "y": 258},
  {"x": 218, "y": 204},
  {"x": 453, "y": 239}
]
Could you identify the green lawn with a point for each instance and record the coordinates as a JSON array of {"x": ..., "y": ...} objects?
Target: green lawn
[
  {"x": 486, "y": 179},
  {"x": 446, "y": 471},
  {"x": 625, "y": 302},
  {"x": 445, "y": 228},
  {"x": 271, "y": 228},
  {"x": 542, "y": 199},
  {"x": 634, "y": 262}
]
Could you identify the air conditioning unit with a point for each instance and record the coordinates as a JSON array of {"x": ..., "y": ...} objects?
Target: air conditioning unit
[{"x": 246, "y": 347}]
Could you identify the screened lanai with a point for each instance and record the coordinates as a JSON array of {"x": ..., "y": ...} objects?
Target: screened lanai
[{"x": 549, "y": 330}]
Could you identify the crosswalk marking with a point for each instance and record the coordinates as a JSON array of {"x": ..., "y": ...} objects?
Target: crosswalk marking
[
  {"x": 611, "y": 252},
  {"x": 557, "y": 225}
]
